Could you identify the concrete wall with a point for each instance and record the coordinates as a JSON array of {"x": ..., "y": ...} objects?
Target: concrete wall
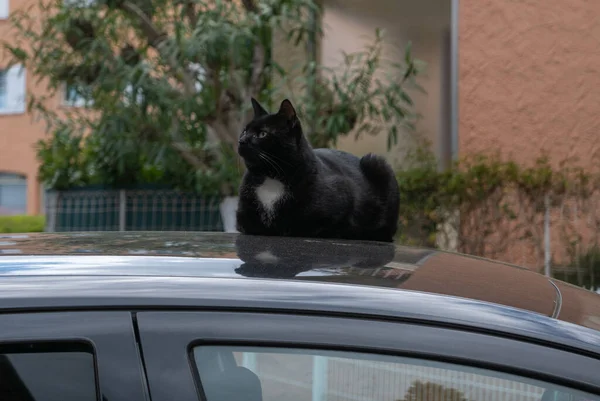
[{"x": 529, "y": 76}]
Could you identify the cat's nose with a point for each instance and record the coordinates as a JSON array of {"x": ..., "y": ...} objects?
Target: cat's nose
[{"x": 243, "y": 140}]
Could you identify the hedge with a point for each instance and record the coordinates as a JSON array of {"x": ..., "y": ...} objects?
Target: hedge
[{"x": 22, "y": 224}]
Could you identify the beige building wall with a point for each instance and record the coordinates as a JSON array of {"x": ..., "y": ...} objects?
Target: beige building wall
[{"x": 349, "y": 25}]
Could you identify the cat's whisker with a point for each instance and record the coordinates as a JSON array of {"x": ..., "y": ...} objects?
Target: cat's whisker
[
  {"x": 271, "y": 164},
  {"x": 277, "y": 169},
  {"x": 269, "y": 160},
  {"x": 278, "y": 158}
]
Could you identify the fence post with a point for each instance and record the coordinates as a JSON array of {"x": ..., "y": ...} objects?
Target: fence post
[
  {"x": 51, "y": 210},
  {"x": 122, "y": 206},
  {"x": 319, "y": 380},
  {"x": 547, "y": 253},
  {"x": 448, "y": 230}
]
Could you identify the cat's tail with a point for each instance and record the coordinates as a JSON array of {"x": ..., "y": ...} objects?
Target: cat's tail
[
  {"x": 379, "y": 173},
  {"x": 385, "y": 187}
]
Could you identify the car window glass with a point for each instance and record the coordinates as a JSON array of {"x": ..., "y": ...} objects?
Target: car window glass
[
  {"x": 277, "y": 374},
  {"x": 37, "y": 373}
]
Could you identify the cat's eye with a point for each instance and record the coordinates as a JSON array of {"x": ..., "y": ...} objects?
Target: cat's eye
[{"x": 261, "y": 134}]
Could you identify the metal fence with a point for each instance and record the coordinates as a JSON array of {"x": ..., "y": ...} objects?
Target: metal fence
[
  {"x": 545, "y": 234},
  {"x": 318, "y": 378},
  {"x": 131, "y": 210}
]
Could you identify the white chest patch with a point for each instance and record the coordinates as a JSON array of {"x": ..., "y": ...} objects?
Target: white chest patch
[{"x": 269, "y": 193}]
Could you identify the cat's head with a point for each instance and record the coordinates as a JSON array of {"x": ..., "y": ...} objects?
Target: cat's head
[{"x": 271, "y": 141}]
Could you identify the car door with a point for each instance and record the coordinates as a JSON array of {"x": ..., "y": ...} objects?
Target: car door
[
  {"x": 228, "y": 356},
  {"x": 70, "y": 356}
]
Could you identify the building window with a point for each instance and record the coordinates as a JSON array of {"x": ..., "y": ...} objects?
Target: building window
[
  {"x": 43, "y": 372},
  {"x": 3, "y": 90},
  {"x": 78, "y": 3},
  {"x": 76, "y": 96},
  {"x": 199, "y": 76},
  {"x": 4, "y": 9},
  {"x": 13, "y": 194},
  {"x": 12, "y": 90}
]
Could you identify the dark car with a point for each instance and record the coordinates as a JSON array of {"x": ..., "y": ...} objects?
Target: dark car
[{"x": 222, "y": 317}]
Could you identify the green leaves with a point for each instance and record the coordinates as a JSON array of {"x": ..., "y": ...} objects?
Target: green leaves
[
  {"x": 485, "y": 189},
  {"x": 19, "y": 55},
  {"x": 352, "y": 97},
  {"x": 168, "y": 85},
  {"x": 64, "y": 164}
]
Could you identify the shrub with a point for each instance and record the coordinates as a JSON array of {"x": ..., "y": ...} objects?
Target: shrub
[
  {"x": 22, "y": 224},
  {"x": 499, "y": 202}
]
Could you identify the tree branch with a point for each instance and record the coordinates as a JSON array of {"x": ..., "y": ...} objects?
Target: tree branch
[
  {"x": 219, "y": 128},
  {"x": 153, "y": 36},
  {"x": 250, "y": 5},
  {"x": 157, "y": 40},
  {"x": 190, "y": 11},
  {"x": 258, "y": 66},
  {"x": 258, "y": 57},
  {"x": 179, "y": 144}
]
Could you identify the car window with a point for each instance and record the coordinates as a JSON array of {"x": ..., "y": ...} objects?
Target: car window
[
  {"x": 37, "y": 372},
  {"x": 277, "y": 374}
]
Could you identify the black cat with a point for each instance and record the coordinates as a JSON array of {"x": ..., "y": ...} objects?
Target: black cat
[{"x": 291, "y": 189}]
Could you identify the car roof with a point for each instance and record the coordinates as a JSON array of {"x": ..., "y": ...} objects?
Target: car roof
[{"x": 178, "y": 260}]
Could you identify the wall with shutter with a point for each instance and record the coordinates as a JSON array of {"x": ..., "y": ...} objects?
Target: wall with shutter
[{"x": 13, "y": 194}]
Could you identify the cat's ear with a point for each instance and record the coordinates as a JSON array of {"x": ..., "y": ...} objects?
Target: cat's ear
[
  {"x": 259, "y": 111},
  {"x": 287, "y": 110}
]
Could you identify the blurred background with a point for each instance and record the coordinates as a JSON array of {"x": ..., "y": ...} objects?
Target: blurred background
[{"x": 123, "y": 115}]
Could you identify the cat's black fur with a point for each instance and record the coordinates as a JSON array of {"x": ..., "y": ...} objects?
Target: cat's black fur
[{"x": 329, "y": 193}]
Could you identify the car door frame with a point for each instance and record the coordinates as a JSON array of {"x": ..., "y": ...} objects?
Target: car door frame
[
  {"x": 167, "y": 338},
  {"x": 119, "y": 371}
]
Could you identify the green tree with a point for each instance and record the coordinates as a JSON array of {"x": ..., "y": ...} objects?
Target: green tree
[{"x": 170, "y": 81}]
